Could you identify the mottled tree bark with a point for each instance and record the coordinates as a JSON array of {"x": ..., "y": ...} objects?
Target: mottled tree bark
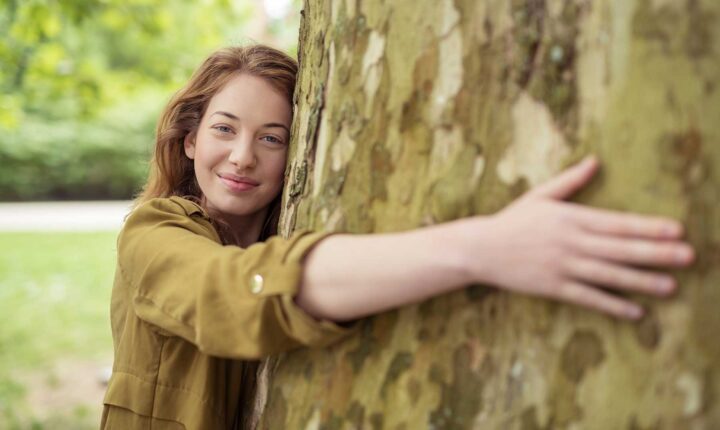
[{"x": 412, "y": 113}]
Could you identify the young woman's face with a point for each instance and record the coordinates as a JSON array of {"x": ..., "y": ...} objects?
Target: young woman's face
[{"x": 240, "y": 148}]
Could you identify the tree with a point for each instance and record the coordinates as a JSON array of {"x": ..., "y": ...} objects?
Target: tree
[{"x": 412, "y": 113}]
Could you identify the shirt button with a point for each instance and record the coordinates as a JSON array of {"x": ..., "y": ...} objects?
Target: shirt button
[{"x": 256, "y": 284}]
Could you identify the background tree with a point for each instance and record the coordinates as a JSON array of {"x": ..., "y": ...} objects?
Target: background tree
[
  {"x": 82, "y": 84},
  {"x": 412, "y": 113}
]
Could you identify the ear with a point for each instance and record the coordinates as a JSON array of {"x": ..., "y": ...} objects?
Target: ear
[{"x": 189, "y": 145}]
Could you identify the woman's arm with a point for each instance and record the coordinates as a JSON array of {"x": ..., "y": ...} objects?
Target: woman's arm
[{"x": 538, "y": 245}]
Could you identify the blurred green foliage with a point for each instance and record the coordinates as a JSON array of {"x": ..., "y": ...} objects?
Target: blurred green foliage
[{"x": 82, "y": 83}]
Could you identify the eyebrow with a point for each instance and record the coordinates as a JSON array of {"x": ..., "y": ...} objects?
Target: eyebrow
[{"x": 268, "y": 125}]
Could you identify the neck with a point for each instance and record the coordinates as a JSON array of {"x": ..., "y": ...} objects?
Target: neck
[{"x": 246, "y": 228}]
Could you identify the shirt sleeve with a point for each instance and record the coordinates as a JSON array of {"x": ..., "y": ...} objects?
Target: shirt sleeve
[{"x": 229, "y": 301}]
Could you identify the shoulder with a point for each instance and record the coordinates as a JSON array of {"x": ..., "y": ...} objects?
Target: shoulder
[
  {"x": 168, "y": 215},
  {"x": 171, "y": 205}
]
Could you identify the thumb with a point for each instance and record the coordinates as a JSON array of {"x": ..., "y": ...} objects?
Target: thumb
[{"x": 569, "y": 181}]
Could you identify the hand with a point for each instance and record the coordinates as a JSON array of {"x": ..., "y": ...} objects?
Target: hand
[{"x": 544, "y": 246}]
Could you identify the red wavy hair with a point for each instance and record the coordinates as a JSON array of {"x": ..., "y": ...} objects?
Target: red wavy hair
[{"x": 171, "y": 171}]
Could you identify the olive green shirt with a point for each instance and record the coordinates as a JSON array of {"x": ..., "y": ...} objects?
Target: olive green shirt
[{"x": 190, "y": 315}]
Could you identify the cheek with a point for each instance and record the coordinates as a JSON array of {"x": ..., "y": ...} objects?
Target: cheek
[
  {"x": 278, "y": 166},
  {"x": 207, "y": 155}
]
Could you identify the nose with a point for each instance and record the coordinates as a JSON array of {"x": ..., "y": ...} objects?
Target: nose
[{"x": 242, "y": 154}]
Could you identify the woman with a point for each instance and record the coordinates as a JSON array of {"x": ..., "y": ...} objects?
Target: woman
[{"x": 202, "y": 289}]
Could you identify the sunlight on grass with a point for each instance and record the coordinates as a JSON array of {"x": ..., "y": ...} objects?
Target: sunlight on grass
[{"x": 54, "y": 299}]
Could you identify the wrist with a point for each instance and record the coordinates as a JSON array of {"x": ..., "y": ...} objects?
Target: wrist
[{"x": 473, "y": 248}]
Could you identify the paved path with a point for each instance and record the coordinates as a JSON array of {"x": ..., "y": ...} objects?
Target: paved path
[{"x": 63, "y": 216}]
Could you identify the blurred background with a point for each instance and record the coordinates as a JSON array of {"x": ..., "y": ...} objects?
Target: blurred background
[{"x": 83, "y": 83}]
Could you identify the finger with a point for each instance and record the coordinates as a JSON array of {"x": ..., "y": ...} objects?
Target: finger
[
  {"x": 635, "y": 251},
  {"x": 569, "y": 181},
  {"x": 625, "y": 224},
  {"x": 598, "y": 272},
  {"x": 589, "y": 297}
]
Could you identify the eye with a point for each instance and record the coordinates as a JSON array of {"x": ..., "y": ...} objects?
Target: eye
[
  {"x": 271, "y": 139},
  {"x": 222, "y": 128}
]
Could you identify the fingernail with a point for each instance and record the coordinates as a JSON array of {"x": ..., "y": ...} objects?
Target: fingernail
[
  {"x": 635, "y": 313},
  {"x": 589, "y": 160},
  {"x": 684, "y": 254},
  {"x": 672, "y": 230},
  {"x": 666, "y": 285}
]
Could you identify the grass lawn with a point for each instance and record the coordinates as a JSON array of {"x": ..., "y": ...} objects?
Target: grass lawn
[{"x": 54, "y": 301}]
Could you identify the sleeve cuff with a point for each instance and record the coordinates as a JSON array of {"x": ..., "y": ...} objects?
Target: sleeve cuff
[{"x": 305, "y": 328}]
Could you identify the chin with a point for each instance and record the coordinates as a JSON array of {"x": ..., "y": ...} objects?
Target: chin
[
  {"x": 237, "y": 208},
  {"x": 229, "y": 205}
]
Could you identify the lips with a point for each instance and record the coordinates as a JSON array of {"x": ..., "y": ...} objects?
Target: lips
[{"x": 238, "y": 183}]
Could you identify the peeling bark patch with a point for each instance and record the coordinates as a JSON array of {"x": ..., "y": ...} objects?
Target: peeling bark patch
[
  {"x": 687, "y": 148},
  {"x": 450, "y": 17},
  {"x": 376, "y": 420},
  {"x": 298, "y": 183},
  {"x": 308, "y": 371},
  {"x": 402, "y": 361},
  {"x": 635, "y": 425},
  {"x": 699, "y": 37},
  {"x": 447, "y": 142},
  {"x": 556, "y": 81},
  {"x": 371, "y": 68},
  {"x": 691, "y": 388},
  {"x": 538, "y": 146},
  {"x": 333, "y": 423},
  {"x": 528, "y": 16},
  {"x": 278, "y": 405},
  {"x": 661, "y": 25},
  {"x": 365, "y": 347},
  {"x": 356, "y": 413},
  {"x": 413, "y": 389},
  {"x": 462, "y": 399},
  {"x": 581, "y": 353},
  {"x": 691, "y": 161},
  {"x": 342, "y": 150},
  {"x": 648, "y": 331},
  {"x": 382, "y": 168},
  {"x": 656, "y": 24},
  {"x": 478, "y": 169},
  {"x": 450, "y": 74},
  {"x": 529, "y": 419}
]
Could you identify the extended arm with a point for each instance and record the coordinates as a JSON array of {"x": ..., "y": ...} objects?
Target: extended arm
[{"x": 539, "y": 245}]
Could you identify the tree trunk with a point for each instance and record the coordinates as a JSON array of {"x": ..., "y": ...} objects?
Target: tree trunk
[{"x": 413, "y": 113}]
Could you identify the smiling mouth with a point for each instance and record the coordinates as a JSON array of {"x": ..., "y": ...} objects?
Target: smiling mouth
[{"x": 238, "y": 184}]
